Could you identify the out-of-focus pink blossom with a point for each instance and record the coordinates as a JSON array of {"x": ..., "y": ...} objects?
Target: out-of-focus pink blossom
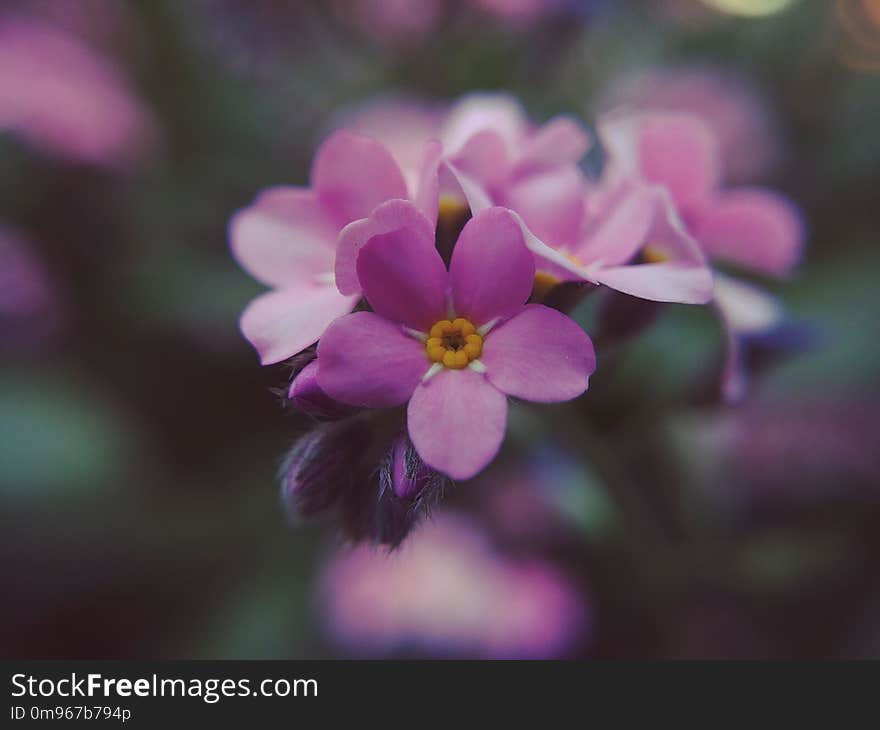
[
  {"x": 404, "y": 22},
  {"x": 519, "y": 12},
  {"x": 804, "y": 448},
  {"x": 750, "y": 227},
  {"x": 67, "y": 99},
  {"x": 737, "y": 115},
  {"x": 449, "y": 592},
  {"x": 29, "y": 307}
]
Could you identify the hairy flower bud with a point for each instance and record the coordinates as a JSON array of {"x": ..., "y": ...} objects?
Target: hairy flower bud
[
  {"x": 408, "y": 488},
  {"x": 322, "y": 466}
]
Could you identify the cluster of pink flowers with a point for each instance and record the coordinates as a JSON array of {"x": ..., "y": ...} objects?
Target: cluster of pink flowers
[{"x": 448, "y": 230}]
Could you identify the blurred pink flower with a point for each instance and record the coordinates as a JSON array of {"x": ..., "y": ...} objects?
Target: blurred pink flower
[
  {"x": 29, "y": 307},
  {"x": 520, "y": 12},
  {"x": 452, "y": 344},
  {"x": 66, "y": 98},
  {"x": 404, "y": 22},
  {"x": 737, "y": 115},
  {"x": 449, "y": 592},
  {"x": 489, "y": 153},
  {"x": 752, "y": 227}
]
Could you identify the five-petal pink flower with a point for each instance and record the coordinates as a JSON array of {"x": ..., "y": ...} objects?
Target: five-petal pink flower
[{"x": 457, "y": 410}]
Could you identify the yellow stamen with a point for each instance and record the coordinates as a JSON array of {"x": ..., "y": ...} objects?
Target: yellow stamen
[
  {"x": 654, "y": 255},
  {"x": 441, "y": 329},
  {"x": 455, "y": 344},
  {"x": 450, "y": 208},
  {"x": 544, "y": 282}
]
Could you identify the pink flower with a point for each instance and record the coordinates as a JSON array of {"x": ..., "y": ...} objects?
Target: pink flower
[
  {"x": 750, "y": 227},
  {"x": 490, "y": 154},
  {"x": 634, "y": 242},
  {"x": 485, "y": 152},
  {"x": 745, "y": 131},
  {"x": 452, "y": 344},
  {"x": 66, "y": 98},
  {"x": 287, "y": 240},
  {"x": 449, "y": 592},
  {"x": 29, "y": 303}
]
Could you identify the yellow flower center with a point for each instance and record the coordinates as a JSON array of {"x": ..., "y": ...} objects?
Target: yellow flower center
[
  {"x": 451, "y": 208},
  {"x": 653, "y": 255},
  {"x": 454, "y": 344}
]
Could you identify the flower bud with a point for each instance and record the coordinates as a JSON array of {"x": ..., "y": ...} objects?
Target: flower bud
[
  {"x": 318, "y": 470},
  {"x": 408, "y": 488},
  {"x": 409, "y": 474}
]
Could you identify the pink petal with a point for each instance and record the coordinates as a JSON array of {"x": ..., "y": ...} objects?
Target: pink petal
[
  {"x": 666, "y": 282},
  {"x": 427, "y": 192},
  {"x": 756, "y": 228},
  {"x": 352, "y": 174},
  {"x": 281, "y": 323},
  {"x": 539, "y": 355},
  {"x": 684, "y": 277},
  {"x": 620, "y": 229},
  {"x": 747, "y": 309},
  {"x": 551, "y": 203},
  {"x": 284, "y": 237},
  {"x": 562, "y": 140},
  {"x": 481, "y": 112},
  {"x": 483, "y": 158},
  {"x": 677, "y": 151},
  {"x": 403, "y": 277},
  {"x": 681, "y": 153},
  {"x": 744, "y": 310},
  {"x": 474, "y": 192},
  {"x": 395, "y": 215},
  {"x": 456, "y": 421},
  {"x": 365, "y": 360},
  {"x": 491, "y": 271},
  {"x": 402, "y": 124}
]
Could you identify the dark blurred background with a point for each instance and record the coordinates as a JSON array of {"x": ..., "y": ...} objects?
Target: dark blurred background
[{"x": 140, "y": 438}]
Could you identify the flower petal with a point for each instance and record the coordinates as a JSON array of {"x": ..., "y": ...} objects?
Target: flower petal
[
  {"x": 620, "y": 227},
  {"x": 403, "y": 277},
  {"x": 284, "y": 237},
  {"x": 746, "y": 309},
  {"x": 756, "y": 228},
  {"x": 551, "y": 203},
  {"x": 483, "y": 158},
  {"x": 456, "y": 421},
  {"x": 683, "y": 276},
  {"x": 365, "y": 360},
  {"x": 426, "y": 195},
  {"x": 480, "y": 112},
  {"x": 561, "y": 140},
  {"x": 675, "y": 150},
  {"x": 491, "y": 271},
  {"x": 667, "y": 282},
  {"x": 352, "y": 174},
  {"x": 395, "y": 215},
  {"x": 539, "y": 355},
  {"x": 283, "y": 322}
]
